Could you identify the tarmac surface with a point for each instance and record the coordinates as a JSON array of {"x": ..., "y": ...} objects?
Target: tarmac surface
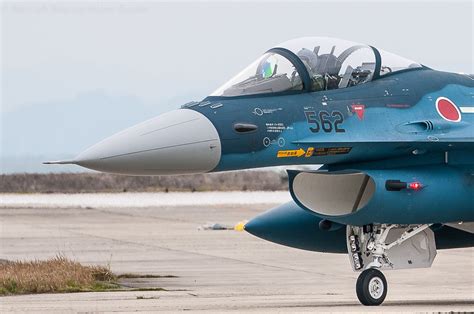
[{"x": 216, "y": 271}]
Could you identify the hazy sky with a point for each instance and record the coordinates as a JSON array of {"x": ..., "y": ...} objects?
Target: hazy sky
[{"x": 165, "y": 53}]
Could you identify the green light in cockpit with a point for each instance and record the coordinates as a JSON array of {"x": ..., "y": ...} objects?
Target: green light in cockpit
[{"x": 267, "y": 69}]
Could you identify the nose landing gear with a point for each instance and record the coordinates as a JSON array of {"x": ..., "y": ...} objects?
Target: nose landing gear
[
  {"x": 371, "y": 287},
  {"x": 375, "y": 247}
]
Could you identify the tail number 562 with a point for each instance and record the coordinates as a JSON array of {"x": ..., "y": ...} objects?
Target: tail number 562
[{"x": 325, "y": 121}]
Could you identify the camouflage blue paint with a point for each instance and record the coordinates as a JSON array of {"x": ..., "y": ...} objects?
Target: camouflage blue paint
[
  {"x": 398, "y": 116},
  {"x": 447, "y": 196},
  {"x": 292, "y": 226}
]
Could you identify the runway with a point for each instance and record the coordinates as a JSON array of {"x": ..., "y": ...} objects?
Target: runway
[{"x": 213, "y": 271}]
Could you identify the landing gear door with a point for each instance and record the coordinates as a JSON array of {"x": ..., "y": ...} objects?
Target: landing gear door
[{"x": 418, "y": 251}]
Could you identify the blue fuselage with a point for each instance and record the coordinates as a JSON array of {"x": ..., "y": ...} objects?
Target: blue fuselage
[{"x": 393, "y": 116}]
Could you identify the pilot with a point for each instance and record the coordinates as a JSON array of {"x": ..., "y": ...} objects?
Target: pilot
[{"x": 310, "y": 60}]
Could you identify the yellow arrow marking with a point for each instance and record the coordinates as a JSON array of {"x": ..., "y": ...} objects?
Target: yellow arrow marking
[{"x": 290, "y": 153}]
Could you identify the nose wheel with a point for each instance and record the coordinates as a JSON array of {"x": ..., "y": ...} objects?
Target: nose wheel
[{"x": 371, "y": 287}]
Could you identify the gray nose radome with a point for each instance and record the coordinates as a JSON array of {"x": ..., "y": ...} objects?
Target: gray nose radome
[{"x": 178, "y": 142}]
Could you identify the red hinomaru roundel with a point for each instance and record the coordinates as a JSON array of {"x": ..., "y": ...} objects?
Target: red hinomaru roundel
[{"x": 448, "y": 110}]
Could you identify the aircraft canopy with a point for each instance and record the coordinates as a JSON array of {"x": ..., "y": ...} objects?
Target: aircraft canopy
[{"x": 313, "y": 64}]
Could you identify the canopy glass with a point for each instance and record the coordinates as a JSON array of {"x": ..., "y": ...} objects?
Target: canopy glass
[{"x": 313, "y": 64}]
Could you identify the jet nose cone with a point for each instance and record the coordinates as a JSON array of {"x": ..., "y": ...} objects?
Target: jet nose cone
[{"x": 177, "y": 142}]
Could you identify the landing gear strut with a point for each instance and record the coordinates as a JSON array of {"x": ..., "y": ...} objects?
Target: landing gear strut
[
  {"x": 386, "y": 246},
  {"x": 371, "y": 287}
]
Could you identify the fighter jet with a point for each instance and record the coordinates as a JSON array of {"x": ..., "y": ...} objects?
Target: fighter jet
[{"x": 394, "y": 138}]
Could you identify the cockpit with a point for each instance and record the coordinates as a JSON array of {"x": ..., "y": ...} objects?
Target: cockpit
[{"x": 314, "y": 64}]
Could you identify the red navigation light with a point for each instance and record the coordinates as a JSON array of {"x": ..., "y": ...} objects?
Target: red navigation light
[{"x": 415, "y": 186}]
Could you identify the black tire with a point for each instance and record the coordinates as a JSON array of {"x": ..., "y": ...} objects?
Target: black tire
[{"x": 371, "y": 287}]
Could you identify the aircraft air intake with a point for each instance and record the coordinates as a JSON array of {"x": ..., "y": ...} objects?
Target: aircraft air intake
[
  {"x": 427, "y": 194},
  {"x": 333, "y": 194}
]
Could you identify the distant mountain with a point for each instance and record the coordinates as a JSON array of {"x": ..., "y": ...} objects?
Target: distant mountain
[{"x": 47, "y": 131}]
